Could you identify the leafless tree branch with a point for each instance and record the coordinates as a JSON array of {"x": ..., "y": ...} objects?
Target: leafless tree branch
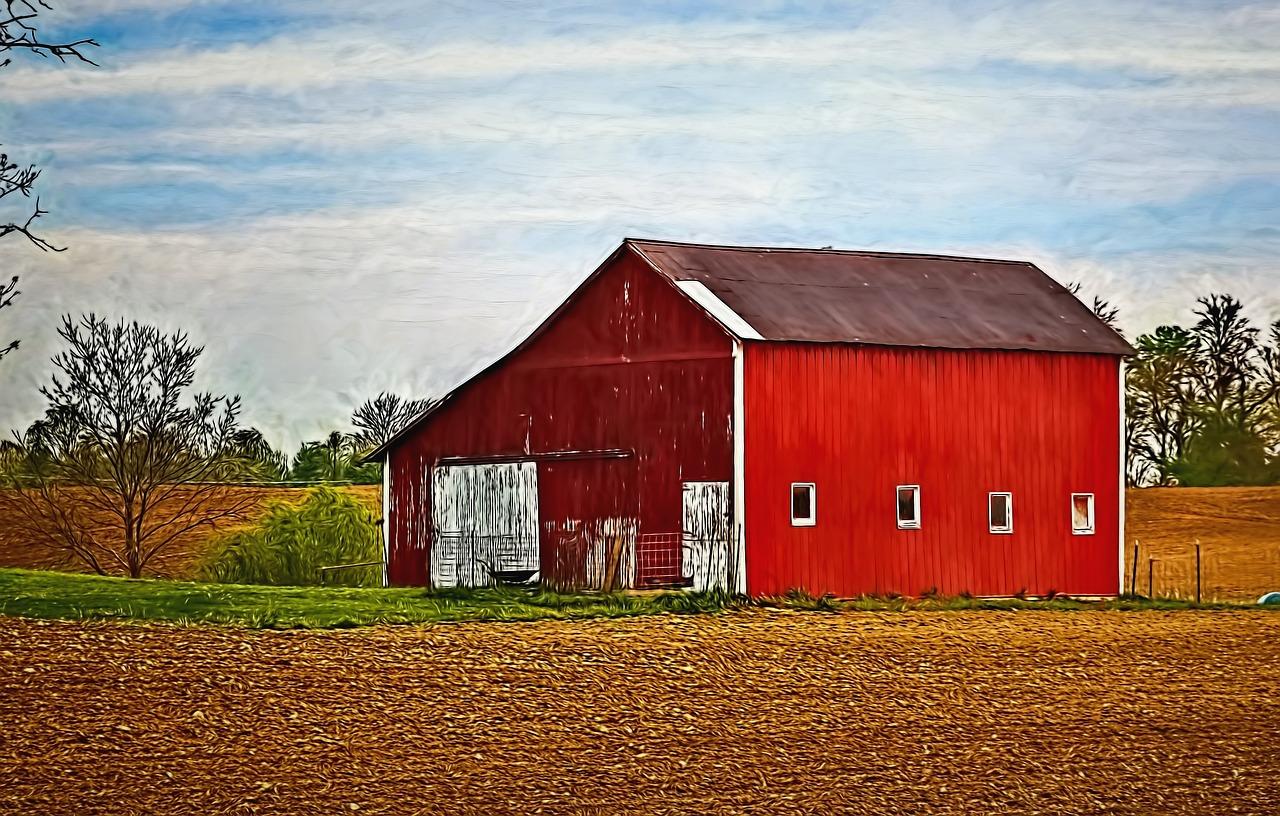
[
  {"x": 121, "y": 466},
  {"x": 18, "y": 30}
]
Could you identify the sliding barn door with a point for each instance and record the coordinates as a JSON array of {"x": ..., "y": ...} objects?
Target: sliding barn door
[{"x": 485, "y": 520}]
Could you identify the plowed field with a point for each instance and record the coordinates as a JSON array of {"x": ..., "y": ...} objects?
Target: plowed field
[{"x": 759, "y": 712}]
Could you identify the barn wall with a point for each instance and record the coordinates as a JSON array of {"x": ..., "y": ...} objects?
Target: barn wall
[
  {"x": 629, "y": 364},
  {"x": 858, "y": 421}
]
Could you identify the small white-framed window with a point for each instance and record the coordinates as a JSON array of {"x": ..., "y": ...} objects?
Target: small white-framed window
[
  {"x": 908, "y": 501},
  {"x": 1082, "y": 513},
  {"x": 804, "y": 504},
  {"x": 1000, "y": 512}
]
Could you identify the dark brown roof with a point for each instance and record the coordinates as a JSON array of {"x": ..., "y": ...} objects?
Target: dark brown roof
[{"x": 880, "y": 298}]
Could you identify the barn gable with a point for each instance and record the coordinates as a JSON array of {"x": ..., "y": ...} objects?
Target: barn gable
[
  {"x": 586, "y": 438},
  {"x": 837, "y": 296},
  {"x": 629, "y": 330}
]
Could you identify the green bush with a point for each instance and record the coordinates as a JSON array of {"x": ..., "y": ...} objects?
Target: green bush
[{"x": 292, "y": 542}]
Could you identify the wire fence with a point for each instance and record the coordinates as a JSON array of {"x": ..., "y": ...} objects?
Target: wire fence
[{"x": 1202, "y": 571}]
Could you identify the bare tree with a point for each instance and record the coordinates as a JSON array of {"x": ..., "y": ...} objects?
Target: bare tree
[
  {"x": 8, "y": 291},
  {"x": 19, "y": 32},
  {"x": 382, "y": 417},
  {"x": 121, "y": 466}
]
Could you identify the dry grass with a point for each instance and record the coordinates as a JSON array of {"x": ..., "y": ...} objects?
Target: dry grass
[
  {"x": 1239, "y": 533},
  {"x": 183, "y": 558},
  {"x": 753, "y": 711}
]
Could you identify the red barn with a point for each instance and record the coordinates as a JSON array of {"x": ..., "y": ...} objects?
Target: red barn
[{"x": 765, "y": 419}]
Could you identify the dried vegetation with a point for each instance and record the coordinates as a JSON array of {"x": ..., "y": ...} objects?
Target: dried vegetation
[
  {"x": 180, "y": 561},
  {"x": 1239, "y": 533}
]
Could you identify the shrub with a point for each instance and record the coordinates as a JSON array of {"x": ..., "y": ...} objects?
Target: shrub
[{"x": 292, "y": 542}]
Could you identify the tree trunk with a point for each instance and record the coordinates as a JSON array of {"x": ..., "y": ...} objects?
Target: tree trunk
[{"x": 132, "y": 555}]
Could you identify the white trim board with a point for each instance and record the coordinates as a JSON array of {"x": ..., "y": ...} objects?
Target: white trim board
[
  {"x": 718, "y": 309},
  {"x": 739, "y": 467},
  {"x": 1124, "y": 468},
  {"x": 386, "y": 520}
]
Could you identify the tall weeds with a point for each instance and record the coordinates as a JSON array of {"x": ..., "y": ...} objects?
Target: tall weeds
[{"x": 292, "y": 542}]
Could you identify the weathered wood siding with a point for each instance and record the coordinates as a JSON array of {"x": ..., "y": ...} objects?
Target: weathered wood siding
[{"x": 628, "y": 365}]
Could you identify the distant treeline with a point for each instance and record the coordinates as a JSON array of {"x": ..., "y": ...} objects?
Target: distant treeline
[
  {"x": 127, "y": 460},
  {"x": 245, "y": 454},
  {"x": 1203, "y": 402}
]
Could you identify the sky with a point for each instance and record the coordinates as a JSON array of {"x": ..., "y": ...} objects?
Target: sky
[{"x": 341, "y": 198}]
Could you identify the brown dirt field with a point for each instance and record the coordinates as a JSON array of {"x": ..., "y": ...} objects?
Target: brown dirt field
[
  {"x": 1239, "y": 533},
  {"x": 751, "y": 712},
  {"x": 183, "y": 558}
]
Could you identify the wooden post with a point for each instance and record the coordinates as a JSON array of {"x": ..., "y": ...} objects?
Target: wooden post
[
  {"x": 1151, "y": 577},
  {"x": 1133, "y": 579},
  {"x": 613, "y": 563},
  {"x": 1197, "y": 572}
]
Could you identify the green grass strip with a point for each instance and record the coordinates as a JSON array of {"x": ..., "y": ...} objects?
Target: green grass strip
[
  {"x": 71, "y": 596},
  {"x": 43, "y": 594}
]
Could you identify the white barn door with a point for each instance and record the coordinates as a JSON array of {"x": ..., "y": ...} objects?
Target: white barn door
[
  {"x": 485, "y": 520},
  {"x": 709, "y": 555}
]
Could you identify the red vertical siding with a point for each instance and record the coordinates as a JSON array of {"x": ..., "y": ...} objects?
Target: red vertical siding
[
  {"x": 858, "y": 421},
  {"x": 582, "y": 501},
  {"x": 628, "y": 364}
]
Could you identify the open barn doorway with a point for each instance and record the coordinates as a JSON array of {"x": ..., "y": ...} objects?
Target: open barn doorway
[
  {"x": 485, "y": 518},
  {"x": 589, "y": 511}
]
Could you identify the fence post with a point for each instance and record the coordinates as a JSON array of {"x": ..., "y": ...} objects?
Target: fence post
[
  {"x": 1151, "y": 578},
  {"x": 1133, "y": 577},
  {"x": 1197, "y": 572}
]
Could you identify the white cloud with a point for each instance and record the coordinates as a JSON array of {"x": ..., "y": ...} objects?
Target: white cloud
[
  {"x": 306, "y": 316},
  {"x": 1206, "y": 46}
]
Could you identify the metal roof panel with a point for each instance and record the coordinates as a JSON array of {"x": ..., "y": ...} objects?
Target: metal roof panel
[{"x": 880, "y": 298}]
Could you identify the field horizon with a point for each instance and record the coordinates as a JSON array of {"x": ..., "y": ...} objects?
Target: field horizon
[{"x": 1238, "y": 529}]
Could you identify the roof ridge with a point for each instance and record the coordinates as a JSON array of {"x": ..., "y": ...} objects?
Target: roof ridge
[{"x": 865, "y": 253}]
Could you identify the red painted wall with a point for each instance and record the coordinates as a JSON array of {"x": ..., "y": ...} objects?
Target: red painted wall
[
  {"x": 858, "y": 421},
  {"x": 630, "y": 363}
]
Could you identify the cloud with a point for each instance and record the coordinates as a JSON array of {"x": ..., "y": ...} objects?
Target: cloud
[
  {"x": 1202, "y": 46},
  {"x": 308, "y": 315},
  {"x": 341, "y": 210}
]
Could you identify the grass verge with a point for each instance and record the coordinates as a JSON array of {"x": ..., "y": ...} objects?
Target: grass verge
[
  {"x": 1062, "y": 603},
  {"x": 41, "y": 594},
  {"x": 70, "y": 596}
]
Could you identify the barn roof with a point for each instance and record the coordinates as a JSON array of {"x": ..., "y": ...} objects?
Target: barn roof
[
  {"x": 846, "y": 296},
  {"x": 881, "y": 298}
]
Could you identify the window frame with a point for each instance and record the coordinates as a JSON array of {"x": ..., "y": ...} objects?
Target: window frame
[
  {"x": 812, "y": 519},
  {"x": 1092, "y": 528},
  {"x": 913, "y": 524},
  {"x": 991, "y": 527}
]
